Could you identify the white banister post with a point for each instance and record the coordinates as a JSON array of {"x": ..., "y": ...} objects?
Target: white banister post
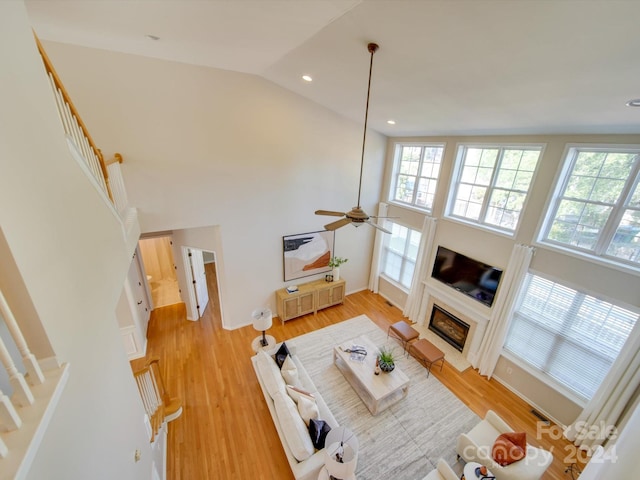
[
  {"x": 34, "y": 373},
  {"x": 9, "y": 418},
  {"x": 22, "y": 395},
  {"x": 4, "y": 451}
]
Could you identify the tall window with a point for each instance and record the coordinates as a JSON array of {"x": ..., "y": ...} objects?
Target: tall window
[
  {"x": 596, "y": 209},
  {"x": 492, "y": 183},
  {"x": 570, "y": 336},
  {"x": 399, "y": 254},
  {"x": 415, "y": 175}
]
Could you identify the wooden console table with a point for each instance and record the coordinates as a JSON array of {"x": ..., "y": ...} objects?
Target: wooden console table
[{"x": 309, "y": 298}]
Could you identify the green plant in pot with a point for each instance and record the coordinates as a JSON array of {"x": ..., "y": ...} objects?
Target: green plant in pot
[
  {"x": 335, "y": 263},
  {"x": 385, "y": 360}
]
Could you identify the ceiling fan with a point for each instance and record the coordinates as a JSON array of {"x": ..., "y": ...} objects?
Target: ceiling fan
[{"x": 357, "y": 216}]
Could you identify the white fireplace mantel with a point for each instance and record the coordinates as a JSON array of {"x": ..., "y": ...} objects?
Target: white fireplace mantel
[{"x": 458, "y": 304}]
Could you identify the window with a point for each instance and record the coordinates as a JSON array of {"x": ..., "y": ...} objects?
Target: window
[
  {"x": 570, "y": 336},
  {"x": 491, "y": 184},
  {"x": 399, "y": 254},
  {"x": 596, "y": 209},
  {"x": 415, "y": 175}
]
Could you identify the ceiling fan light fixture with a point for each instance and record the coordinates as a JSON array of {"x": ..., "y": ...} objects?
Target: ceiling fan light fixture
[{"x": 634, "y": 102}]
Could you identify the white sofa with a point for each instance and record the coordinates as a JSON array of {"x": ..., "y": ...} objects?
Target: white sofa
[
  {"x": 305, "y": 464},
  {"x": 442, "y": 472},
  {"x": 476, "y": 446}
]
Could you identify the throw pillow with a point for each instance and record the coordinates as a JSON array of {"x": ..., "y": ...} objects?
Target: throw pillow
[
  {"x": 295, "y": 432},
  {"x": 296, "y": 392},
  {"x": 509, "y": 447},
  {"x": 269, "y": 373},
  {"x": 281, "y": 354},
  {"x": 289, "y": 371},
  {"x": 308, "y": 409},
  {"x": 318, "y": 430}
]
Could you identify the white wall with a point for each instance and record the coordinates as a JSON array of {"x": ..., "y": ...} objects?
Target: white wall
[
  {"x": 495, "y": 249},
  {"x": 69, "y": 251},
  {"x": 206, "y": 147}
]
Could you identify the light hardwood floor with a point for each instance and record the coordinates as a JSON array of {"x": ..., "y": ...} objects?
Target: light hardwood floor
[{"x": 226, "y": 431}]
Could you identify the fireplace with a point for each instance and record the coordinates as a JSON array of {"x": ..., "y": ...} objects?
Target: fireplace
[{"x": 448, "y": 327}]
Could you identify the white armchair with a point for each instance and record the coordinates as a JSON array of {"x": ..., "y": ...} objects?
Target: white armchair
[
  {"x": 442, "y": 472},
  {"x": 476, "y": 446}
]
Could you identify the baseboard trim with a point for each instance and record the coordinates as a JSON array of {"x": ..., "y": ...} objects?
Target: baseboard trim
[{"x": 533, "y": 404}]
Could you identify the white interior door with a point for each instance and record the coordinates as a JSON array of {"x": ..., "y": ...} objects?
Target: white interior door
[
  {"x": 199, "y": 279},
  {"x": 137, "y": 283}
]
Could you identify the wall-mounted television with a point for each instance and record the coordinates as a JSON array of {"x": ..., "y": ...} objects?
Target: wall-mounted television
[{"x": 471, "y": 277}]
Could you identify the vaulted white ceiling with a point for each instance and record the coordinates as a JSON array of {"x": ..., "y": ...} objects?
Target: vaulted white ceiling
[{"x": 444, "y": 66}]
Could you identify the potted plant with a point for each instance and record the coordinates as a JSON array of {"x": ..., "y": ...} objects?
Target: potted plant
[
  {"x": 335, "y": 263},
  {"x": 385, "y": 360}
]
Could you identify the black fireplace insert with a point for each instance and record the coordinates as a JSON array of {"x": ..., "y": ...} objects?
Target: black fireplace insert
[{"x": 448, "y": 327}]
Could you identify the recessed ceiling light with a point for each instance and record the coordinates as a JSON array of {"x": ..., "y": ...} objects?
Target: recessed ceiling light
[
  {"x": 634, "y": 102},
  {"x": 307, "y": 78},
  {"x": 152, "y": 37},
  {"x": 391, "y": 122}
]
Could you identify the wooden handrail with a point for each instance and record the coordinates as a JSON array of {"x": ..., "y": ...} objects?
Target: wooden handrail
[
  {"x": 56, "y": 79},
  {"x": 117, "y": 158},
  {"x": 157, "y": 403}
]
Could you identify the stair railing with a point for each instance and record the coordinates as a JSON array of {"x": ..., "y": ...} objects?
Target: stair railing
[
  {"x": 158, "y": 405},
  {"x": 31, "y": 392},
  {"x": 75, "y": 129}
]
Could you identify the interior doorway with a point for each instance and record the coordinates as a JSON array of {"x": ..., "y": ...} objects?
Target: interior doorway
[
  {"x": 204, "y": 294},
  {"x": 160, "y": 268}
]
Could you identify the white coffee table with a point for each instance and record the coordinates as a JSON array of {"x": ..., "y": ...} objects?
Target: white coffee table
[
  {"x": 470, "y": 471},
  {"x": 377, "y": 392}
]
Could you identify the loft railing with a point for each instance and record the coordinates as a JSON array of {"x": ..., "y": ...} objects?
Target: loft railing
[
  {"x": 27, "y": 400},
  {"x": 158, "y": 405},
  {"x": 75, "y": 128},
  {"x": 106, "y": 175}
]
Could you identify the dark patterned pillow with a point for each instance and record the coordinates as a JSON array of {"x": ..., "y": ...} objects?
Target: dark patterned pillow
[
  {"x": 318, "y": 430},
  {"x": 281, "y": 354}
]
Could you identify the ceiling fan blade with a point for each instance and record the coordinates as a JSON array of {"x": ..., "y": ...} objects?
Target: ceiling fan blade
[
  {"x": 330, "y": 212},
  {"x": 337, "y": 224},
  {"x": 378, "y": 227},
  {"x": 374, "y": 216}
]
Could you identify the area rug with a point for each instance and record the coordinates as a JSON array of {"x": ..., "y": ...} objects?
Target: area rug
[{"x": 404, "y": 441}]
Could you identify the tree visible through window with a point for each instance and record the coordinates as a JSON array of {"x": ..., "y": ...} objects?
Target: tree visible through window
[
  {"x": 492, "y": 183},
  {"x": 399, "y": 254},
  {"x": 597, "y": 206},
  {"x": 415, "y": 175}
]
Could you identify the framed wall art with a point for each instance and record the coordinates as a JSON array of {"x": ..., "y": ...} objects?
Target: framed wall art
[{"x": 307, "y": 254}]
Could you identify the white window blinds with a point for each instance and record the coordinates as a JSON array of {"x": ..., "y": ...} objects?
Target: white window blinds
[{"x": 570, "y": 336}]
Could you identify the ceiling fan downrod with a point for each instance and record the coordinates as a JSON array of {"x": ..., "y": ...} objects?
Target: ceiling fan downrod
[{"x": 372, "y": 47}]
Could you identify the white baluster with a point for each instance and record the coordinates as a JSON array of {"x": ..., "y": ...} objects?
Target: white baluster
[
  {"x": 34, "y": 373},
  {"x": 4, "y": 451},
  {"x": 56, "y": 96},
  {"x": 22, "y": 395},
  {"x": 9, "y": 418}
]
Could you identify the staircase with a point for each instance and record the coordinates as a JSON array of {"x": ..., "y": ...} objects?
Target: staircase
[
  {"x": 34, "y": 386},
  {"x": 158, "y": 405}
]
